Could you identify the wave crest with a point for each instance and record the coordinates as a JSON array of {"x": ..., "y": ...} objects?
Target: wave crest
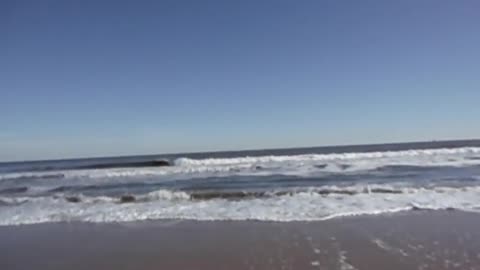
[
  {"x": 306, "y": 205},
  {"x": 325, "y": 157}
]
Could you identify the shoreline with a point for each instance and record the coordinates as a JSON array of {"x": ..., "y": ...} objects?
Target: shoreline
[{"x": 408, "y": 240}]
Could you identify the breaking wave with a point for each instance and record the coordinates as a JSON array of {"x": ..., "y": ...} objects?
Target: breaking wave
[
  {"x": 186, "y": 162},
  {"x": 300, "y": 165},
  {"x": 303, "y": 187},
  {"x": 294, "y": 205}
]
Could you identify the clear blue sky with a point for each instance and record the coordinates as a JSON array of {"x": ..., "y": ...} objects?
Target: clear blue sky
[{"x": 100, "y": 78}]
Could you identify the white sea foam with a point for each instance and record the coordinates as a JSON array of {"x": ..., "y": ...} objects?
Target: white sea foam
[
  {"x": 316, "y": 203},
  {"x": 328, "y": 157},
  {"x": 301, "y": 206},
  {"x": 297, "y": 165}
]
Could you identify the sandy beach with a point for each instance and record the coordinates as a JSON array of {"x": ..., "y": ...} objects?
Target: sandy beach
[{"x": 416, "y": 240}]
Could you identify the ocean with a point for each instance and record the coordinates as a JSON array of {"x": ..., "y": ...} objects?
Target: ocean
[{"x": 304, "y": 184}]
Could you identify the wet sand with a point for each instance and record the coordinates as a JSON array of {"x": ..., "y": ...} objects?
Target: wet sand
[{"x": 417, "y": 240}]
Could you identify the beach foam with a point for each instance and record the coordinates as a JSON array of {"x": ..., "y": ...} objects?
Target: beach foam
[
  {"x": 308, "y": 205},
  {"x": 269, "y": 188},
  {"x": 296, "y": 165}
]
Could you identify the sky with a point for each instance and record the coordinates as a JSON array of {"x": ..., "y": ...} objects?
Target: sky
[{"x": 105, "y": 78}]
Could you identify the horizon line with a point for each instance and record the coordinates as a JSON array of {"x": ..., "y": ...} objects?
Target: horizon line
[{"x": 241, "y": 150}]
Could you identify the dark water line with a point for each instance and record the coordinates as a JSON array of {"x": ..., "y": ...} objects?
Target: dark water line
[{"x": 14, "y": 190}]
